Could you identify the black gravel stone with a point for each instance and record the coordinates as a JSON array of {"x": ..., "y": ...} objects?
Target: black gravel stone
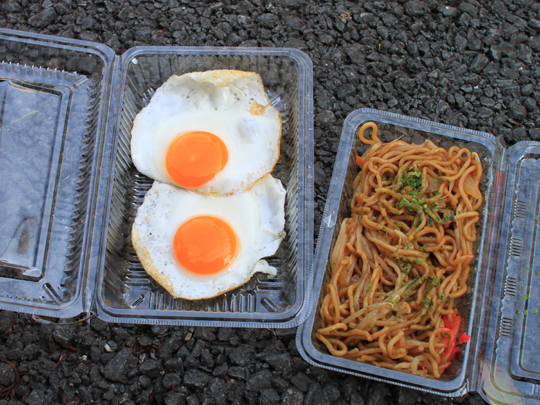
[
  {"x": 280, "y": 362},
  {"x": 150, "y": 368},
  {"x": 85, "y": 394},
  {"x": 326, "y": 396},
  {"x": 12, "y": 6},
  {"x": 220, "y": 360},
  {"x": 225, "y": 334},
  {"x": 479, "y": 63},
  {"x": 268, "y": 20},
  {"x": 484, "y": 112},
  {"x": 168, "y": 347},
  {"x": 442, "y": 106},
  {"x": 269, "y": 396},
  {"x": 356, "y": 399},
  {"x": 519, "y": 134},
  {"x": 534, "y": 134},
  {"x": 183, "y": 353},
  {"x": 197, "y": 348},
  {"x": 43, "y": 18},
  {"x": 469, "y": 9},
  {"x": 63, "y": 334},
  {"x": 450, "y": 12},
  {"x": 516, "y": 110},
  {"x": 313, "y": 392},
  {"x": 119, "y": 367},
  {"x": 196, "y": 379},
  {"x": 7, "y": 374},
  {"x": 171, "y": 380},
  {"x": 174, "y": 364},
  {"x": 36, "y": 397},
  {"x": 325, "y": 118},
  {"x": 241, "y": 356},
  {"x": 348, "y": 386},
  {"x": 218, "y": 389},
  {"x": 292, "y": 397},
  {"x": 97, "y": 324},
  {"x": 406, "y": 396},
  {"x": 206, "y": 334},
  {"x": 259, "y": 381},
  {"x": 144, "y": 381},
  {"x": 6, "y": 321},
  {"x": 175, "y": 398},
  {"x": 460, "y": 43},
  {"x": 377, "y": 394},
  {"x": 143, "y": 35},
  {"x": 294, "y": 4},
  {"x": 159, "y": 329},
  {"x": 279, "y": 383},
  {"x": 416, "y": 8},
  {"x": 534, "y": 43},
  {"x": 190, "y": 362},
  {"x": 63, "y": 7},
  {"x": 207, "y": 359},
  {"x": 193, "y": 400},
  {"x": 301, "y": 381},
  {"x": 86, "y": 65},
  {"x": 530, "y": 105},
  {"x": 527, "y": 89}
]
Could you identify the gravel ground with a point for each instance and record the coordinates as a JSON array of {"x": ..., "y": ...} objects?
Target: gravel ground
[{"x": 472, "y": 64}]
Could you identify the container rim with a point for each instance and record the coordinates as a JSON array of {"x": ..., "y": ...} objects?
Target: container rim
[{"x": 54, "y": 41}]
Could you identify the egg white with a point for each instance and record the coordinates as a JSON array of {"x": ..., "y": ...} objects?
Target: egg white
[
  {"x": 229, "y": 104},
  {"x": 257, "y": 216}
]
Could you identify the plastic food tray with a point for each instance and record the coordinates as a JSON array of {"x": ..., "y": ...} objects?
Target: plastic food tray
[
  {"x": 69, "y": 191},
  {"x": 501, "y": 360}
]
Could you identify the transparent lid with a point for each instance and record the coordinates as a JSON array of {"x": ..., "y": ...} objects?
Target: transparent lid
[
  {"x": 500, "y": 360},
  {"x": 52, "y": 94},
  {"x": 510, "y": 370}
]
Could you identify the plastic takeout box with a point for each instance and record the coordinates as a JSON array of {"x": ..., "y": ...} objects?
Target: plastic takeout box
[
  {"x": 69, "y": 191},
  {"x": 501, "y": 360}
]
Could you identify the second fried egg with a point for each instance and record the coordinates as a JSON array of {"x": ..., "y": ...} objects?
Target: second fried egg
[{"x": 199, "y": 246}]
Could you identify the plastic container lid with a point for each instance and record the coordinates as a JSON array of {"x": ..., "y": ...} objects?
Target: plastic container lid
[
  {"x": 70, "y": 191},
  {"x": 54, "y": 102},
  {"x": 500, "y": 361}
]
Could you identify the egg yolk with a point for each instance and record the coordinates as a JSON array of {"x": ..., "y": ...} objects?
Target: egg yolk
[
  {"x": 195, "y": 158},
  {"x": 205, "y": 245}
]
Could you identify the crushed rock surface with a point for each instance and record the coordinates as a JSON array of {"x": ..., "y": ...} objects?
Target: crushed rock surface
[{"x": 465, "y": 63}]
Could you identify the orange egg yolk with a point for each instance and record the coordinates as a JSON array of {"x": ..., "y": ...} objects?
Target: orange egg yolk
[
  {"x": 205, "y": 245},
  {"x": 195, "y": 158}
]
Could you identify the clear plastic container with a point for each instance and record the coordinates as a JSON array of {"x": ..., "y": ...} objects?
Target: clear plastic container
[
  {"x": 70, "y": 191},
  {"x": 500, "y": 361},
  {"x": 54, "y": 96}
]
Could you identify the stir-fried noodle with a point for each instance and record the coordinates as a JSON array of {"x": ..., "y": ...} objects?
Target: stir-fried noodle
[{"x": 403, "y": 257}]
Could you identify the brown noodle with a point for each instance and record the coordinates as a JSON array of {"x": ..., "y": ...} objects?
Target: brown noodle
[{"x": 401, "y": 261}]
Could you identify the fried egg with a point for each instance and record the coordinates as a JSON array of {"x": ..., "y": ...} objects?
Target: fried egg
[
  {"x": 212, "y": 132},
  {"x": 200, "y": 246}
]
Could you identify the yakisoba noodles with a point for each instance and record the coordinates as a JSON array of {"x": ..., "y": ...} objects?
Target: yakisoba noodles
[{"x": 403, "y": 258}]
